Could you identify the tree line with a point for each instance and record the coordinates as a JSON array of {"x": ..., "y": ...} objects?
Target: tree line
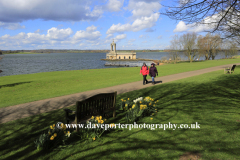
[{"x": 195, "y": 46}]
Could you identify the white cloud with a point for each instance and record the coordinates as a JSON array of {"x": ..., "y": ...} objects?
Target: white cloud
[
  {"x": 37, "y": 31},
  {"x": 208, "y": 25},
  {"x": 137, "y": 25},
  {"x": 121, "y": 36},
  {"x": 89, "y": 34},
  {"x": 11, "y": 26},
  {"x": 109, "y": 35},
  {"x": 56, "y": 37},
  {"x": 181, "y": 26},
  {"x": 141, "y": 9},
  {"x": 114, "y": 5},
  {"x": 91, "y": 28},
  {"x": 59, "y": 34}
]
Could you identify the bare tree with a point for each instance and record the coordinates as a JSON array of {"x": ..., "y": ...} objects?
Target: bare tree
[
  {"x": 217, "y": 15},
  {"x": 189, "y": 44},
  {"x": 230, "y": 48},
  {"x": 175, "y": 46},
  {"x": 209, "y": 46}
]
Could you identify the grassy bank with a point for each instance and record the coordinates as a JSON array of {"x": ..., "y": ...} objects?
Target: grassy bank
[
  {"x": 19, "y": 89},
  {"x": 208, "y": 99}
]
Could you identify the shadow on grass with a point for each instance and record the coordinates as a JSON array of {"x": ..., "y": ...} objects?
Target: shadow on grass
[
  {"x": 13, "y": 84},
  {"x": 213, "y": 104}
]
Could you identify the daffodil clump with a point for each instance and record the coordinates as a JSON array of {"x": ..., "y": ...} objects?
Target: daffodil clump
[
  {"x": 95, "y": 131},
  {"x": 141, "y": 107},
  {"x": 125, "y": 104},
  {"x": 53, "y": 137}
]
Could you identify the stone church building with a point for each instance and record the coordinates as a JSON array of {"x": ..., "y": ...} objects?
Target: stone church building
[{"x": 113, "y": 54}]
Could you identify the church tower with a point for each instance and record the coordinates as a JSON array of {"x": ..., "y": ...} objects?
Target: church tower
[{"x": 113, "y": 47}]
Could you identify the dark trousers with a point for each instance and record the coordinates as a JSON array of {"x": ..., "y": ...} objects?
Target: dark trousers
[{"x": 145, "y": 79}]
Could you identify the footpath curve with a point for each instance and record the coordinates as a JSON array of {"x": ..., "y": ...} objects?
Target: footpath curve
[{"x": 37, "y": 107}]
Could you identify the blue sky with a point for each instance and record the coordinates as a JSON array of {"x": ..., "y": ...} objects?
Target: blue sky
[{"x": 87, "y": 24}]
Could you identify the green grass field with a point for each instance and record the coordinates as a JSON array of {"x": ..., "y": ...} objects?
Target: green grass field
[
  {"x": 211, "y": 99},
  {"x": 18, "y": 89}
]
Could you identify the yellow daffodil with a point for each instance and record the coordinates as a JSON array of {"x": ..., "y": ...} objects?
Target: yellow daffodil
[
  {"x": 94, "y": 138},
  {"x": 155, "y": 109},
  {"x": 128, "y": 98},
  {"x": 124, "y": 100},
  {"x": 126, "y": 105},
  {"x": 101, "y": 121},
  {"x": 105, "y": 119},
  {"x": 100, "y": 117},
  {"x": 52, "y": 138},
  {"x": 140, "y": 101},
  {"x": 154, "y": 105},
  {"x": 92, "y": 117},
  {"x": 68, "y": 134},
  {"x": 97, "y": 118},
  {"x": 51, "y": 127},
  {"x": 150, "y": 103},
  {"x": 133, "y": 106},
  {"x": 55, "y": 134},
  {"x": 151, "y": 118}
]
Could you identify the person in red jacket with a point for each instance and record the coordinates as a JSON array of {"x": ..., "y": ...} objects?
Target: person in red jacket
[{"x": 144, "y": 71}]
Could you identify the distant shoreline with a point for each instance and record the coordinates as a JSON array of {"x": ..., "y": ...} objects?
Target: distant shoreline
[{"x": 72, "y": 51}]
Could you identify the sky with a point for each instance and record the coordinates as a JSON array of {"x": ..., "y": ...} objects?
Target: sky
[{"x": 88, "y": 24}]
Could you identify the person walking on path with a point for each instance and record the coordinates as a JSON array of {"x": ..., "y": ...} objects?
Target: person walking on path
[
  {"x": 153, "y": 72},
  {"x": 144, "y": 71}
]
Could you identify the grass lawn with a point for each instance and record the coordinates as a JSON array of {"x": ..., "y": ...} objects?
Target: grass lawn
[
  {"x": 211, "y": 99},
  {"x": 18, "y": 89}
]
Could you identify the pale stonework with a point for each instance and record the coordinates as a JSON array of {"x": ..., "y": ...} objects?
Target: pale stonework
[{"x": 113, "y": 54}]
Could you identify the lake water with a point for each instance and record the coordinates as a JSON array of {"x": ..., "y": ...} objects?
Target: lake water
[{"x": 15, "y": 64}]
